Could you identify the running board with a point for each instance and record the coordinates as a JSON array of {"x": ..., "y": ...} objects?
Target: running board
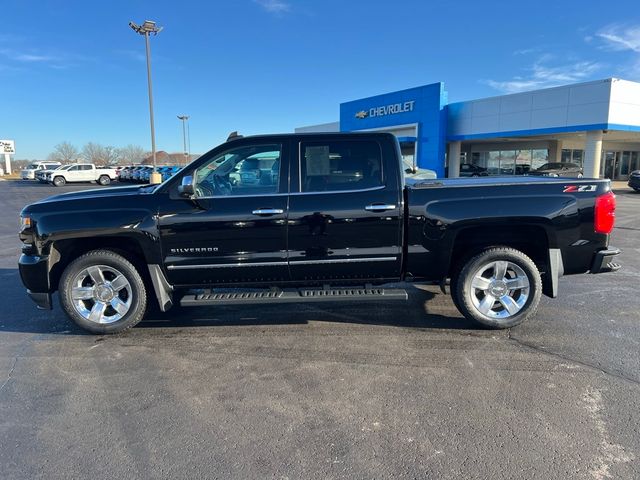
[{"x": 295, "y": 296}]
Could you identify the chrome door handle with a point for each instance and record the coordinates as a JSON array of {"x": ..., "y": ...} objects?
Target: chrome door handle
[
  {"x": 379, "y": 207},
  {"x": 268, "y": 211}
]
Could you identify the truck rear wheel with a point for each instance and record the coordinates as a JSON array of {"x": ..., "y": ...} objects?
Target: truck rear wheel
[
  {"x": 102, "y": 292},
  {"x": 498, "y": 288},
  {"x": 59, "y": 181},
  {"x": 104, "y": 180}
]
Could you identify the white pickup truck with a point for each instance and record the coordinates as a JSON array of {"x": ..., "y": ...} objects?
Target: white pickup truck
[{"x": 82, "y": 172}]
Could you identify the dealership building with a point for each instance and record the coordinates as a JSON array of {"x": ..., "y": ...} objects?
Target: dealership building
[{"x": 594, "y": 124}]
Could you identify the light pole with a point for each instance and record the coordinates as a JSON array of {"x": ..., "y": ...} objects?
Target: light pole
[
  {"x": 185, "y": 120},
  {"x": 147, "y": 28}
]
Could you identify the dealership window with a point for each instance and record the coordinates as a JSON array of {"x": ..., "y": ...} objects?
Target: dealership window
[
  {"x": 577, "y": 157},
  {"x": 507, "y": 162},
  {"x": 510, "y": 162},
  {"x": 340, "y": 165},
  {"x": 408, "y": 150},
  {"x": 624, "y": 165},
  {"x": 635, "y": 160},
  {"x": 538, "y": 158},
  {"x": 572, "y": 156}
]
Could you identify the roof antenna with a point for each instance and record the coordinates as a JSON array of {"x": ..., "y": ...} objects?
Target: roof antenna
[{"x": 233, "y": 135}]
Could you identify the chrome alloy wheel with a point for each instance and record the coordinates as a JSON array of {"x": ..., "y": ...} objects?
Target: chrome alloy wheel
[
  {"x": 499, "y": 289},
  {"x": 101, "y": 294}
]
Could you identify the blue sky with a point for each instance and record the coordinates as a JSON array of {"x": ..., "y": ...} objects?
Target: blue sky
[{"x": 73, "y": 70}]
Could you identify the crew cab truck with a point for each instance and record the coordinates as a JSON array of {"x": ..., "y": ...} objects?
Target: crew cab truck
[
  {"x": 82, "y": 172},
  {"x": 334, "y": 222}
]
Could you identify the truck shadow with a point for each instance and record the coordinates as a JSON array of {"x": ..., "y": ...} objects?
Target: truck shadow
[{"x": 426, "y": 308}]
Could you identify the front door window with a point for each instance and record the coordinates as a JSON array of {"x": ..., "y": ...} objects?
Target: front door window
[{"x": 243, "y": 171}]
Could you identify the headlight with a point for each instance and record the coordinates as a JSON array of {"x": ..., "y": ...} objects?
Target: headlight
[{"x": 25, "y": 222}]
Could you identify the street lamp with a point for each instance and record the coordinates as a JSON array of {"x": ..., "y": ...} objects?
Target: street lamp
[
  {"x": 147, "y": 28},
  {"x": 187, "y": 153}
]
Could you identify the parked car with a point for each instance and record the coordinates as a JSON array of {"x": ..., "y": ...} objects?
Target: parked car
[
  {"x": 126, "y": 174},
  {"x": 145, "y": 174},
  {"x": 634, "y": 180},
  {"x": 82, "y": 172},
  {"x": 558, "y": 169},
  {"x": 471, "y": 170},
  {"x": 332, "y": 227},
  {"x": 135, "y": 173},
  {"x": 141, "y": 174},
  {"x": 170, "y": 172},
  {"x": 29, "y": 173},
  {"x": 43, "y": 175}
]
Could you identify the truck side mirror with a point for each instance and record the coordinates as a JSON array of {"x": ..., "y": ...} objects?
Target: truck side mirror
[{"x": 186, "y": 188}]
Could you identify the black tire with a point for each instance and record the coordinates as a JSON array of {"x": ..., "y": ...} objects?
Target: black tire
[
  {"x": 524, "y": 301},
  {"x": 59, "y": 181},
  {"x": 136, "y": 295},
  {"x": 104, "y": 180}
]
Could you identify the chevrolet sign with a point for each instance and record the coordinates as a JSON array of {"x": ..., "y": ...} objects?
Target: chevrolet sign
[{"x": 387, "y": 110}]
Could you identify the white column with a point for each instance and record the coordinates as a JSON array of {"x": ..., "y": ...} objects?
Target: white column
[
  {"x": 7, "y": 163},
  {"x": 555, "y": 151},
  {"x": 593, "y": 154},
  {"x": 453, "y": 159}
]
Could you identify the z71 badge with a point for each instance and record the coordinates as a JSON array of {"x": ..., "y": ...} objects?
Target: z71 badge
[{"x": 579, "y": 188}]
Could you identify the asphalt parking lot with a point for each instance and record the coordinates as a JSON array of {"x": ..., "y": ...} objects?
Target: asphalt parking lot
[{"x": 368, "y": 391}]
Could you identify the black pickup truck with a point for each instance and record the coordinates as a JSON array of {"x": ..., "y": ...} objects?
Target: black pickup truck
[{"x": 312, "y": 218}]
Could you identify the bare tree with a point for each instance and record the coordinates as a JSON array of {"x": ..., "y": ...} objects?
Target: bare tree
[
  {"x": 64, "y": 152},
  {"x": 132, "y": 154},
  {"x": 111, "y": 155},
  {"x": 94, "y": 153}
]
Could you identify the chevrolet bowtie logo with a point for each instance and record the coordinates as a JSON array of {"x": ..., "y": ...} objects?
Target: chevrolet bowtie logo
[{"x": 362, "y": 114}]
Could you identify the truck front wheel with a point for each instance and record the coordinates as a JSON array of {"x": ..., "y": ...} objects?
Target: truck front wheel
[
  {"x": 498, "y": 288},
  {"x": 59, "y": 181},
  {"x": 102, "y": 292}
]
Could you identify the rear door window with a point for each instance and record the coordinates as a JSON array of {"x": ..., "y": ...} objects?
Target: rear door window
[{"x": 340, "y": 165}]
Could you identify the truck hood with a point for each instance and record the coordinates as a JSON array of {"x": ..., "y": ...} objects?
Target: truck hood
[{"x": 98, "y": 193}]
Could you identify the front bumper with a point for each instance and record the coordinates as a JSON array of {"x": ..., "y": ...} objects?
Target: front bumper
[
  {"x": 34, "y": 272},
  {"x": 42, "y": 300},
  {"x": 634, "y": 182},
  {"x": 603, "y": 261}
]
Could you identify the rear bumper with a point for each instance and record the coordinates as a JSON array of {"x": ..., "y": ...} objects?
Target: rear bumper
[{"x": 603, "y": 261}]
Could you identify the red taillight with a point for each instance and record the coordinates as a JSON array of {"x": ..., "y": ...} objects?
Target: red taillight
[{"x": 605, "y": 213}]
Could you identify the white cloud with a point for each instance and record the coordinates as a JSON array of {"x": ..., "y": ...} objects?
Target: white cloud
[
  {"x": 543, "y": 75},
  {"x": 274, "y": 6},
  {"x": 621, "y": 38},
  {"x": 19, "y": 56}
]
